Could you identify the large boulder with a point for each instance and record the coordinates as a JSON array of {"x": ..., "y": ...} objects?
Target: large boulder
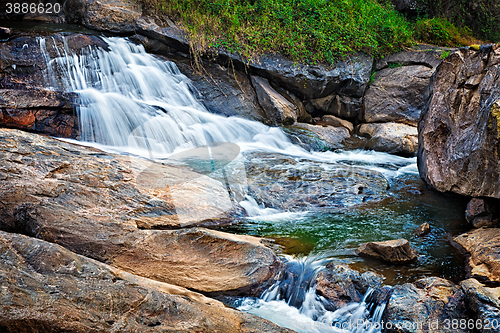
[
  {"x": 104, "y": 207},
  {"x": 482, "y": 247},
  {"x": 345, "y": 107},
  {"x": 108, "y": 15},
  {"x": 46, "y": 288},
  {"x": 459, "y": 130},
  {"x": 425, "y": 306},
  {"x": 277, "y": 108},
  {"x": 346, "y": 77},
  {"x": 393, "y": 138},
  {"x": 341, "y": 285},
  {"x": 39, "y": 110},
  {"x": 330, "y": 120},
  {"x": 397, "y": 95},
  {"x": 396, "y": 251},
  {"x": 398, "y": 91},
  {"x": 484, "y": 302},
  {"x": 421, "y": 55}
]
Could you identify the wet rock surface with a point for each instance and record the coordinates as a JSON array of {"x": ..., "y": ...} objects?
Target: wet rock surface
[
  {"x": 223, "y": 90},
  {"x": 459, "y": 131},
  {"x": 96, "y": 205},
  {"x": 484, "y": 302},
  {"x": 482, "y": 212},
  {"x": 483, "y": 248},
  {"x": 282, "y": 182},
  {"x": 341, "y": 285},
  {"x": 46, "y": 288},
  {"x": 423, "y": 230},
  {"x": 396, "y": 251},
  {"x": 392, "y": 138},
  {"x": 25, "y": 101},
  {"x": 425, "y": 306}
]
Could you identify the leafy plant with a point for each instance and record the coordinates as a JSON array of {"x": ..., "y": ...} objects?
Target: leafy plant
[{"x": 445, "y": 54}]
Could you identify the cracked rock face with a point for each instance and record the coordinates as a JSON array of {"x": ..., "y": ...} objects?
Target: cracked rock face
[
  {"x": 46, "y": 288},
  {"x": 458, "y": 132},
  {"x": 98, "y": 205},
  {"x": 424, "y": 306},
  {"x": 483, "y": 249}
]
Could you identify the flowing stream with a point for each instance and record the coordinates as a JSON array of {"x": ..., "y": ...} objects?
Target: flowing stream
[{"x": 131, "y": 102}]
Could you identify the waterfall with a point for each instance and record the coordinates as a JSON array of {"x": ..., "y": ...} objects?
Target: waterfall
[
  {"x": 130, "y": 101},
  {"x": 134, "y": 103},
  {"x": 292, "y": 302}
]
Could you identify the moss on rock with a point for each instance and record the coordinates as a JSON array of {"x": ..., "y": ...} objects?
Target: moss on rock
[{"x": 495, "y": 112}]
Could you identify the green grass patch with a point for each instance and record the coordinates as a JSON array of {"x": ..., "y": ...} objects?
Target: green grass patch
[
  {"x": 306, "y": 30},
  {"x": 440, "y": 31}
]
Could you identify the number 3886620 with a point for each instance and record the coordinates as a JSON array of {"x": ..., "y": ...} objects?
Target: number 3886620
[{"x": 33, "y": 8}]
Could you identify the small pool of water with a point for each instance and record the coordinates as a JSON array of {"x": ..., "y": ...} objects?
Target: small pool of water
[{"x": 338, "y": 235}]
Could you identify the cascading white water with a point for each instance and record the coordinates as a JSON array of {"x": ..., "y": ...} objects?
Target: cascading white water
[
  {"x": 132, "y": 102},
  {"x": 125, "y": 89},
  {"x": 292, "y": 302}
]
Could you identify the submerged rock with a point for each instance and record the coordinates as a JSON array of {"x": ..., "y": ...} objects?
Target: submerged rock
[
  {"x": 46, "y": 288},
  {"x": 484, "y": 303},
  {"x": 422, "y": 230},
  {"x": 341, "y": 285},
  {"x": 396, "y": 251},
  {"x": 425, "y": 306},
  {"x": 101, "y": 206},
  {"x": 459, "y": 131},
  {"x": 393, "y": 138},
  {"x": 282, "y": 182},
  {"x": 483, "y": 248}
]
